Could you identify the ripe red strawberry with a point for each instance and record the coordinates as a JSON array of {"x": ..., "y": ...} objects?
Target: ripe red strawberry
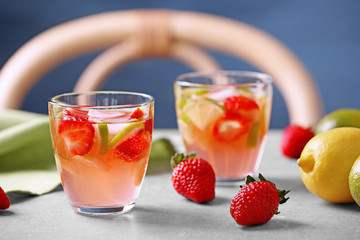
[
  {"x": 242, "y": 106},
  {"x": 75, "y": 114},
  {"x": 193, "y": 178},
  {"x": 229, "y": 128},
  {"x": 257, "y": 202},
  {"x": 149, "y": 125},
  {"x": 134, "y": 148},
  {"x": 137, "y": 114},
  {"x": 294, "y": 139},
  {"x": 78, "y": 135},
  {"x": 4, "y": 200}
]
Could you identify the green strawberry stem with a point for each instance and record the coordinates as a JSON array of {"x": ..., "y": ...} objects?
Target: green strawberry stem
[
  {"x": 178, "y": 157},
  {"x": 281, "y": 193}
]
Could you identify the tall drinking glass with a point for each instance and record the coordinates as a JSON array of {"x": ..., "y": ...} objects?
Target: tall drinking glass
[
  {"x": 224, "y": 117},
  {"x": 101, "y": 145}
]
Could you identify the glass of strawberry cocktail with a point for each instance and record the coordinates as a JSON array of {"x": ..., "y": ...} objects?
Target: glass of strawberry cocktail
[
  {"x": 101, "y": 145},
  {"x": 224, "y": 117}
]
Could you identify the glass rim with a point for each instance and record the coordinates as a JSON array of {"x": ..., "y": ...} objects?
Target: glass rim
[
  {"x": 55, "y": 99},
  {"x": 263, "y": 77}
]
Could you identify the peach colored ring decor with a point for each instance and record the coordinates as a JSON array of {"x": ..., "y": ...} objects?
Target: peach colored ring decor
[{"x": 137, "y": 34}]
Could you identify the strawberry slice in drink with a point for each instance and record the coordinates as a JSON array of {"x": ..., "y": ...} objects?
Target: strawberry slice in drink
[
  {"x": 229, "y": 128},
  {"x": 138, "y": 114},
  {"x": 134, "y": 148},
  {"x": 73, "y": 113},
  {"x": 242, "y": 106},
  {"x": 78, "y": 135}
]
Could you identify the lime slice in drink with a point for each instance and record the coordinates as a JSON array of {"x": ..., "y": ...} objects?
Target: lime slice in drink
[
  {"x": 243, "y": 91},
  {"x": 132, "y": 127},
  {"x": 184, "y": 118},
  {"x": 104, "y": 136},
  {"x": 253, "y": 135},
  {"x": 203, "y": 112},
  {"x": 200, "y": 91},
  {"x": 180, "y": 103}
]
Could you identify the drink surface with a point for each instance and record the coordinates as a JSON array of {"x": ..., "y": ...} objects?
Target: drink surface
[
  {"x": 101, "y": 155},
  {"x": 226, "y": 126}
]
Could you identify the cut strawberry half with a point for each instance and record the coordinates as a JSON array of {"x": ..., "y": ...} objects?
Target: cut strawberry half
[
  {"x": 229, "y": 128},
  {"x": 78, "y": 135},
  {"x": 134, "y": 148},
  {"x": 242, "y": 106}
]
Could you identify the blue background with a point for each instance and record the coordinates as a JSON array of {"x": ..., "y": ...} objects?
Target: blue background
[{"x": 324, "y": 34}]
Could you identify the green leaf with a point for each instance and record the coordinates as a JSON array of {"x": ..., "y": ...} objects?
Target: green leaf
[
  {"x": 34, "y": 182},
  {"x": 11, "y": 117},
  {"x": 26, "y": 146},
  {"x": 26, "y": 155}
]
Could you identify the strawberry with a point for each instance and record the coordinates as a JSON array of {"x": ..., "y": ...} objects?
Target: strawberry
[
  {"x": 242, "y": 106},
  {"x": 193, "y": 178},
  {"x": 4, "y": 200},
  {"x": 256, "y": 202},
  {"x": 78, "y": 135},
  {"x": 229, "y": 128},
  {"x": 76, "y": 114},
  {"x": 294, "y": 139},
  {"x": 138, "y": 114},
  {"x": 149, "y": 125},
  {"x": 134, "y": 148}
]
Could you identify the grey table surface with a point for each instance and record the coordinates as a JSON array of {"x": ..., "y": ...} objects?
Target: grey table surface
[{"x": 160, "y": 213}]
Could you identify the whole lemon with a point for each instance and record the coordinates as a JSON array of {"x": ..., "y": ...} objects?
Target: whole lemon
[
  {"x": 326, "y": 161},
  {"x": 354, "y": 181},
  {"x": 345, "y": 117}
]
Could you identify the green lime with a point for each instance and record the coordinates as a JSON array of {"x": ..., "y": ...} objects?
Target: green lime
[
  {"x": 253, "y": 135},
  {"x": 345, "y": 117},
  {"x": 125, "y": 131},
  {"x": 180, "y": 103},
  {"x": 104, "y": 136},
  {"x": 203, "y": 112},
  {"x": 200, "y": 91},
  {"x": 354, "y": 181},
  {"x": 161, "y": 152},
  {"x": 185, "y": 118}
]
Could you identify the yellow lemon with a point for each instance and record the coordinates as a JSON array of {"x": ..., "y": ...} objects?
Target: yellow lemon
[{"x": 326, "y": 161}]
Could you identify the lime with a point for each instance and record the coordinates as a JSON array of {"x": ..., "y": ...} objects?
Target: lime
[
  {"x": 202, "y": 112},
  {"x": 180, "y": 103},
  {"x": 253, "y": 135},
  {"x": 186, "y": 129},
  {"x": 125, "y": 131},
  {"x": 185, "y": 118},
  {"x": 354, "y": 181},
  {"x": 161, "y": 152},
  {"x": 326, "y": 161},
  {"x": 345, "y": 117},
  {"x": 104, "y": 136}
]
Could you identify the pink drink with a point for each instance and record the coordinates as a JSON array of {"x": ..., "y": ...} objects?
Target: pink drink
[
  {"x": 102, "y": 155},
  {"x": 224, "y": 123}
]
